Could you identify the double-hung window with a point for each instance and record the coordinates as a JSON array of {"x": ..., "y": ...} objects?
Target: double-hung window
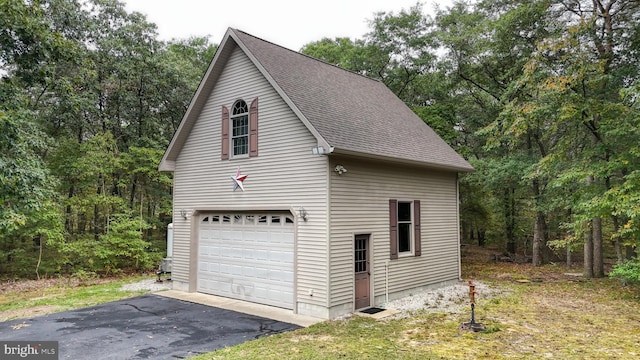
[
  {"x": 404, "y": 228},
  {"x": 240, "y": 130}
]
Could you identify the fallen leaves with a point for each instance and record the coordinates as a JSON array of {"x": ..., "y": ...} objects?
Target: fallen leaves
[{"x": 19, "y": 326}]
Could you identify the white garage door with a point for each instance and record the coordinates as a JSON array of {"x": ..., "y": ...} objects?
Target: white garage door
[{"x": 247, "y": 257}]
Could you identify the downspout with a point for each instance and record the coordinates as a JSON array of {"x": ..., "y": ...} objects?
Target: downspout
[
  {"x": 328, "y": 219},
  {"x": 458, "y": 225},
  {"x": 296, "y": 302},
  {"x": 386, "y": 281}
]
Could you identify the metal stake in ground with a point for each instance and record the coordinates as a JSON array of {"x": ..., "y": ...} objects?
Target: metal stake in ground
[
  {"x": 472, "y": 325},
  {"x": 472, "y": 298}
]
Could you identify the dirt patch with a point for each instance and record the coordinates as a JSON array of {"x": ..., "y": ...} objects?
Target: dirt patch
[
  {"x": 36, "y": 285},
  {"x": 475, "y": 253},
  {"x": 45, "y": 296},
  {"x": 28, "y": 313},
  {"x": 481, "y": 262}
]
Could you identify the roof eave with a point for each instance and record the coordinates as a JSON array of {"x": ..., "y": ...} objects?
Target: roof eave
[
  {"x": 404, "y": 161},
  {"x": 197, "y": 102}
]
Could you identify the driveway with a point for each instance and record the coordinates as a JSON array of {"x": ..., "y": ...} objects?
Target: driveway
[{"x": 147, "y": 326}]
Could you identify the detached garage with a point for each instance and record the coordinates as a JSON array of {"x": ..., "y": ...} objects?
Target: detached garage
[
  {"x": 247, "y": 257},
  {"x": 300, "y": 185}
]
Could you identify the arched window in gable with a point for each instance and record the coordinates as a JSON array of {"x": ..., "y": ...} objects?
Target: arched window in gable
[{"x": 240, "y": 128}]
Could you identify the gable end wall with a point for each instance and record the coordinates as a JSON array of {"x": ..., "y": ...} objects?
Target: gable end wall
[{"x": 285, "y": 176}]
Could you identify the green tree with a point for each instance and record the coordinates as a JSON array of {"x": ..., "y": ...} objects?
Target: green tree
[
  {"x": 90, "y": 100},
  {"x": 342, "y": 52},
  {"x": 30, "y": 217},
  {"x": 486, "y": 46},
  {"x": 575, "y": 79},
  {"x": 29, "y": 214}
]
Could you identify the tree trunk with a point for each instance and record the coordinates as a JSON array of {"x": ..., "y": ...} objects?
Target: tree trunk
[
  {"x": 538, "y": 228},
  {"x": 569, "y": 251},
  {"x": 464, "y": 230},
  {"x": 96, "y": 213},
  {"x": 132, "y": 194},
  {"x": 141, "y": 107},
  {"x": 630, "y": 252},
  {"x": 509, "y": 212},
  {"x": 617, "y": 242},
  {"x": 68, "y": 224},
  {"x": 588, "y": 253},
  {"x": 538, "y": 239},
  {"x": 149, "y": 231},
  {"x": 598, "y": 266},
  {"x": 618, "y": 246},
  {"x": 39, "y": 259}
]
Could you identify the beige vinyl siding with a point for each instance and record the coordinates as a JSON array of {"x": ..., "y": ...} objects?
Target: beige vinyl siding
[
  {"x": 285, "y": 175},
  {"x": 359, "y": 203}
]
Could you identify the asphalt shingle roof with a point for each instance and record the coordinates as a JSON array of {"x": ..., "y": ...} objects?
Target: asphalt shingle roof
[{"x": 352, "y": 113}]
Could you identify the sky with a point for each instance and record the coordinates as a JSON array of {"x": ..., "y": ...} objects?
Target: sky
[{"x": 289, "y": 23}]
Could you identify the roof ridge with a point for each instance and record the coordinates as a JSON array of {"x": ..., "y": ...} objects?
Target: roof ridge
[{"x": 308, "y": 56}]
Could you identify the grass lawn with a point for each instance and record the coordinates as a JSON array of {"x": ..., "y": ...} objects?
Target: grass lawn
[
  {"x": 38, "y": 297},
  {"x": 542, "y": 314}
]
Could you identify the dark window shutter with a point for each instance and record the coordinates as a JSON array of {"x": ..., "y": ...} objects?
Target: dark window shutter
[
  {"x": 393, "y": 228},
  {"x": 253, "y": 128},
  {"x": 416, "y": 228},
  {"x": 225, "y": 133}
]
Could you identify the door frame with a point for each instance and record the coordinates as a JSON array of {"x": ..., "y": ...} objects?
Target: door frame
[{"x": 369, "y": 254}]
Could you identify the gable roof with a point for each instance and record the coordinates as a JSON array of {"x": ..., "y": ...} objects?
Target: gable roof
[{"x": 346, "y": 112}]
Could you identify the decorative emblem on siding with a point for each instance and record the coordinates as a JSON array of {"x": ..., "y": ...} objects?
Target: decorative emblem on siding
[{"x": 238, "y": 181}]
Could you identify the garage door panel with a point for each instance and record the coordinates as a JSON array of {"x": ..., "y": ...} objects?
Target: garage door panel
[
  {"x": 249, "y": 254},
  {"x": 281, "y": 257},
  {"x": 283, "y": 276},
  {"x": 259, "y": 236},
  {"x": 262, "y": 255},
  {"x": 248, "y": 257},
  {"x": 248, "y": 289},
  {"x": 257, "y": 272},
  {"x": 237, "y": 235},
  {"x": 234, "y": 252}
]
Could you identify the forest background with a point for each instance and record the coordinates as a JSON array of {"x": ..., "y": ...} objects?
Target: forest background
[{"x": 541, "y": 96}]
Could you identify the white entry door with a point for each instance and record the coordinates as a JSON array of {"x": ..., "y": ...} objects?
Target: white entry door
[{"x": 247, "y": 257}]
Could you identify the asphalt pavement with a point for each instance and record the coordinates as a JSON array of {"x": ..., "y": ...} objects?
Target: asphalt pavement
[{"x": 144, "y": 327}]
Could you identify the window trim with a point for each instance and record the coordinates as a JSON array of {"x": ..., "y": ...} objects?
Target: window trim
[
  {"x": 411, "y": 229},
  {"x": 227, "y": 141},
  {"x": 415, "y": 242},
  {"x": 237, "y": 117}
]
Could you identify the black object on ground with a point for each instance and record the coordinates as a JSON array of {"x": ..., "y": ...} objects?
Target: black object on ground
[{"x": 372, "y": 310}]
